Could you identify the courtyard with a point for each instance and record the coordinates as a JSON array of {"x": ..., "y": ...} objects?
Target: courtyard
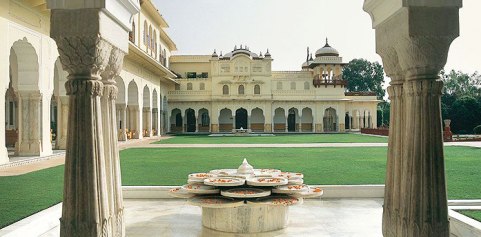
[{"x": 351, "y": 159}]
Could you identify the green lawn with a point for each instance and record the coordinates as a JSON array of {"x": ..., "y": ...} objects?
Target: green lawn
[
  {"x": 472, "y": 214},
  {"x": 24, "y": 195},
  {"x": 279, "y": 139}
]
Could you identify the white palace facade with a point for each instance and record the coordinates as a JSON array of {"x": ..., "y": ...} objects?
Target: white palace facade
[
  {"x": 219, "y": 93},
  {"x": 161, "y": 93}
]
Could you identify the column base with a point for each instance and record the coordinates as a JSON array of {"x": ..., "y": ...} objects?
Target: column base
[
  {"x": 62, "y": 144},
  {"x": 215, "y": 128},
  {"x": 32, "y": 148},
  {"x": 267, "y": 127}
]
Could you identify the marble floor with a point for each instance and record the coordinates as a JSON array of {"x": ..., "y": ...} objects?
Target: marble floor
[{"x": 328, "y": 217}]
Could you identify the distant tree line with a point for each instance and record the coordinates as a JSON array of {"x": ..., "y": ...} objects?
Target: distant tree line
[{"x": 461, "y": 101}]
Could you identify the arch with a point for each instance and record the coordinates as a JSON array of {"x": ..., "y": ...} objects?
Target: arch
[
  {"x": 204, "y": 120},
  {"x": 307, "y": 120},
  {"x": 59, "y": 107},
  {"x": 257, "y": 120},
  {"x": 257, "y": 90},
  {"x": 190, "y": 120},
  {"x": 225, "y": 120},
  {"x": 25, "y": 67},
  {"x": 25, "y": 106},
  {"x": 164, "y": 58},
  {"x": 146, "y": 97},
  {"x": 154, "y": 44},
  {"x": 155, "y": 113},
  {"x": 176, "y": 121},
  {"x": 189, "y": 86},
  {"x": 307, "y": 86},
  {"x": 241, "y": 90},
  {"x": 132, "y": 123},
  {"x": 225, "y": 90},
  {"x": 330, "y": 120},
  {"x": 279, "y": 120},
  {"x": 292, "y": 120},
  {"x": 293, "y": 86},
  {"x": 241, "y": 118},
  {"x": 146, "y": 113}
]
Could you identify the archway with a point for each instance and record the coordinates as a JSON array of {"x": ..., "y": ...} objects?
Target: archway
[
  {"x": 24, "y": 76},
  {"x": 347, "y": 121},
  {"x": 279, "y": 120},
  {"x": 190, "y": 120},
  {"x": 155, "y": 113},
  {"x": 204, "y": 125},
  {"x": 225, "y": 120},
  {"x": 133, "y": 114},
  {"x": 307, "y": 120},
  {"x": 257, "y": 120},
  {"x": 146, "y": 113},
  {"x": 241, "y": 118},
  {"x": 176, "y": 120},
  {"x": 291, "y": 120},
  {"x": 330, "y": 120}
]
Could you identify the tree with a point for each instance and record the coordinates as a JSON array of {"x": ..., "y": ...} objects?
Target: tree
[
  {"x": 458, "y": 84},
  {"x": 362, "y": 75},
  {"x": 383, "y": 114},
  {"x": 465, "y": 114}
]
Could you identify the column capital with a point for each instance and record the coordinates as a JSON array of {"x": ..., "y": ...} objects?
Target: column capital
[{"x": 420, "y": 38}]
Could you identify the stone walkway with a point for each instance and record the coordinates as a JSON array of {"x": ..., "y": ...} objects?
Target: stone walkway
[{"x": 28, "y": 164}]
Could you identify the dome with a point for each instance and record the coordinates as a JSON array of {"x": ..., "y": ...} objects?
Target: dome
[{"x": 327, "y": 50}]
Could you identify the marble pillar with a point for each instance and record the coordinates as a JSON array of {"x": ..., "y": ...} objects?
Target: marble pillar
[
  {"x": 110, "y": 139},
  {"x": 4, "y": 159},
  {"x": 62, "y": 118},
  {"x": 29, "y": 141},
  {"x": 414, "y": 43},
  {"x": 122, "y": 122}
]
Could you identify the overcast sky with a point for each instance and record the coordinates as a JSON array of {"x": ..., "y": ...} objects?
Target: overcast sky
[{"x": 288, "y": 27}]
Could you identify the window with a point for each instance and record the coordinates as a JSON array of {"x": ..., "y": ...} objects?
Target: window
[
  {"x": 225, "y": 90},
  {"x": 205, "y": 75},
  {"x": 279, "y": 85},
  {"x": 257, "y": 90},
  {"x": 191, "y": 75},
  {"x": 189, "y": 86},
  {"x": 11, "y": 107},
  {"x": 306, "y": 85},
  {"x": 164, "y": 60},
  {"x": 177, "y": 87},
  {"x": 149, "y": 37},
  {"x": 202, "y": 86},
  {"x": 145, "y": 32},
  {"x": 160, "y": 53},
  {"x": 132, "y": 33},
  {"x": 293, "y": 85},
  {"x": 241, "y": 90},
  {"x": 154, "y": 44}
]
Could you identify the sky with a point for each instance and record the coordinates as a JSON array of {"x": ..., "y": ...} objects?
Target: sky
[{"x": 288, "y": 27}]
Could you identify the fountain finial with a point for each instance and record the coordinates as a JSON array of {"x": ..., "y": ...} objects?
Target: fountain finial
[{"x": 245, "y": 168}]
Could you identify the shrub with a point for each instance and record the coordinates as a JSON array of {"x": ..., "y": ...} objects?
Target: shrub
[{"x": 477, "y": 129}]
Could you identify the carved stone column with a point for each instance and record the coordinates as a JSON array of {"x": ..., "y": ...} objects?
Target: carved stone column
[
  {"x": 109, "y": 123},
  {"x": 84, "y": 55},
  {"x": 62, "y": 122},
  {"x": 29, "y": 140},
  {"x": 414, "y": 40}
]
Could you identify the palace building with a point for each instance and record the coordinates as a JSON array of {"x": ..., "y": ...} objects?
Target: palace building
[
  {"x": 161, "y": 93},
  {"x": 219, "y": 93}
]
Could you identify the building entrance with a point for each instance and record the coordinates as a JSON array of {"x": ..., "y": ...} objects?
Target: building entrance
[{"x": 241, "y": 119}]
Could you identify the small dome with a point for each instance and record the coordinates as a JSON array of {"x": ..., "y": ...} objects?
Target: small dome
[
  {"x": 267, "y": 55},
  {"x": 327, "y": 50},
  {"x": 214, "y": 55}
]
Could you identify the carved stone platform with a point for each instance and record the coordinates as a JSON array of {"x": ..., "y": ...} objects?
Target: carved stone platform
[{"x": 246, "y": 218}]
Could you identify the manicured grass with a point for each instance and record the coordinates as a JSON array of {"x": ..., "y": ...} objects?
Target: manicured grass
[
  {"x": 472, "y": 214},
  {"x": 280, "y": 139},
  {"x": 24, "y": 195},
  {"x": 364, "y": 165}
]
